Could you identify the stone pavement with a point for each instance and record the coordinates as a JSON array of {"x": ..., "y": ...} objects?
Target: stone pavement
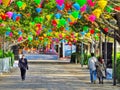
[{"x": 52, "y": 76}]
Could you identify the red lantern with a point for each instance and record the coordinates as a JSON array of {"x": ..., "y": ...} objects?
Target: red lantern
[
  {"x": 99, "y": 34},
  {"x": 92, "y": 31},
  {"x": 39, "y": 6},
  {"x": 38, "y": 25},
  {"x": 50, "y": 38},
  {"x": 117, "y": 8},
  {"x": 54, "y": 23},
  {"x": 54, "y": 28},
  {"x": 41, "y": 38},
  {"x": 17, "y": 18},
  {"x": 67, "y": 37},
  {"x": 13, "y": 28},
  {"x": 68, "y": 6},
  {"x": 62, "y": 28},
  {"x": 71, "y": 23},
  {"x": 28, "y": 15},
  {"x": 4, "y": 17},
  {"x": 106, "y": 29},
  {"x": 69, "y": 43}
]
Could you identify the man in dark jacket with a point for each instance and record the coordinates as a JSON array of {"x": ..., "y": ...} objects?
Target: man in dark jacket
[{"x": 23, "y": 65}]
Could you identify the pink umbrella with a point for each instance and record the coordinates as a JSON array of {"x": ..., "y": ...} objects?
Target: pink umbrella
[
  {"x": 60, "y": 2},
  {"x": 0, "y": 1},
  {"x": 83, "y": 8},
  {"x": 91, "y": 3},
  {"x": 11, "y": 34},
  {"x": 9, "y": 14},
  {"x": 92, "y": 18}
]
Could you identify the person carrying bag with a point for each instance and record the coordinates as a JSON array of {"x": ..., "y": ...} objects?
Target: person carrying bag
[
  {"x": 23, "y": 65},
  {"x": 100, "y": 67}
]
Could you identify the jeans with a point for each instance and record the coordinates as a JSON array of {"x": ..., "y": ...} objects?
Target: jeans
[{"x": 93, "y": 75}]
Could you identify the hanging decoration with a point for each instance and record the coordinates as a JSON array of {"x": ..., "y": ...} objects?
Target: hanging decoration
[
  {"x": 109, "y": 9},
  {"x": 60, "y": 2},
  {"x": 9, "y": 14},
  {"x": 92, "y": 18},
  {"x": 92, "y": 31},
  {"x": 37, "y": 1},
  {"x": 83, "y": 8},
  {"x": 5, "y": 2},
  {"x": 106, "y": 29},
  {"x": 76, "y": 6},
  {"x": 102, "y": 4},
  {"x": 0, "y": 1},
  {"x": 91, "y": 3},
  {"x": 81, "y": 2},
  {"x": 97, "y": 12},
  {"x": 55, "y": 25},
  {"x": 38, "y": 10}
]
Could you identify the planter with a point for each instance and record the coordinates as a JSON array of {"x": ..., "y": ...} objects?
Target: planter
[{"x": 5, "y": 64}]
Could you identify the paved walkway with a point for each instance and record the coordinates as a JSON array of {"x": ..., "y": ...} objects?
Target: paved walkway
[{"x": 52, "y": 77}]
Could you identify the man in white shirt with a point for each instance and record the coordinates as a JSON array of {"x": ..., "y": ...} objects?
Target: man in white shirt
[{"x": 91, "y": 65}]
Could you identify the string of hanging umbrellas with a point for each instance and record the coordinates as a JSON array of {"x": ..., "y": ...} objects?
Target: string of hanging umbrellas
[{"x": 68, "y": 14}]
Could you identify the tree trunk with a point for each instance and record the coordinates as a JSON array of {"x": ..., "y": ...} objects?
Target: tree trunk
[{"x": 15, "y": 43}]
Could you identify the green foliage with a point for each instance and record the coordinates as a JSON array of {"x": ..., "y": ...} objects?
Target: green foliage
[
  {"x": 86, "y": 57},
  {"x": 118, "y": 67},
  {"x": 1, "y": 53},
  {"x": 118, "y": 55},
  {"x": 79, "y": 58}
]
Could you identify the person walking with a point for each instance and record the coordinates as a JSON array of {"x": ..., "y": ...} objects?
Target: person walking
[
  {"x": 92, "y": 68},
  {"x": 101, "y": 68},
  {"x": 23, "y": 65}
]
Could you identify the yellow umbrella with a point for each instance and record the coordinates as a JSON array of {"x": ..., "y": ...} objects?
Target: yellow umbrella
[
  {"x": 97, "y": 12},
  {"x": 63, "y": 34},
  {"x": 23, "y": 6},
  {"x": 76, "y": 34},
  {"x": 88, "y": 34},
  {"x": 6, "y": 2},
  {"x": 102, "y": 3},
  {"x": 44, "y": 35},
  {"x": 72, "y": 18},
  {"x": 48, "y": 17}
]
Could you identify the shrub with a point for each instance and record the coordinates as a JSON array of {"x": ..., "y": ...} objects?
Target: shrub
[
  {"x": 86, "y": 57},
  {"x": 75, "y": 56},
  {"x": 79, "y": 58},
  {"x": 1, "y": 53}
]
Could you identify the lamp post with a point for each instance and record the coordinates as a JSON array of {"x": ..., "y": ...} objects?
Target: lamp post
[
  {"x": 105, "y": 53},
  {"x": 114, "y": 69},
  {"x": 82, "y": 54}
]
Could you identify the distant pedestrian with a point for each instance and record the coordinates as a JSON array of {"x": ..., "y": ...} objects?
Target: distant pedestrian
[
  {"x": 91, "y": 65},
  {"x": 101, "y": 68},
  {"x": 23, "y": 65}
]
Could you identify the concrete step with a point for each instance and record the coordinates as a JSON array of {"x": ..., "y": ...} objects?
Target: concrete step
[{"x": 50, "y": 61}]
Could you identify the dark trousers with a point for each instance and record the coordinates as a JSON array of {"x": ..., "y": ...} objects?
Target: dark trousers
[
  {"x": 23, "y": 73},
  {"x": 100, "y": 80}
]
